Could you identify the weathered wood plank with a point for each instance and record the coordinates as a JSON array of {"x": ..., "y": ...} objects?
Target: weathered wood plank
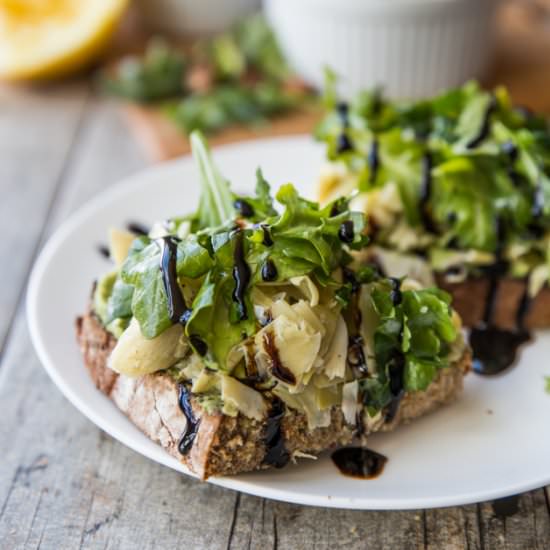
[
  {"x": 528, "y": 528},
  {"x": 453, "y": 528},
  {"x": 37, "y": 130},
  {"x": 263, "y": 524}
]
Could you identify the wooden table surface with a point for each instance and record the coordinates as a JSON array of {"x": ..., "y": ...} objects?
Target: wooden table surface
[{"x": 64, "y": 483}]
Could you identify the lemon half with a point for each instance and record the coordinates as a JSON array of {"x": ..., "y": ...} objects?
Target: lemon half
[{"x": 42, "y": 39}]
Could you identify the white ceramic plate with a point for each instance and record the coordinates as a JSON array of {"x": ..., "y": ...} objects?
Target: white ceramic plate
[{"x": 493, "y": 442}]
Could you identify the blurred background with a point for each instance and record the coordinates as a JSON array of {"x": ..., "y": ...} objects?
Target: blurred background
[{"x": 239, "y": 69}]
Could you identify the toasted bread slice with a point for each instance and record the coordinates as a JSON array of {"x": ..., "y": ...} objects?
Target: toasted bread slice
[
  {"x": 470, "y": 298},
  {"x": 226, "y": 445}
]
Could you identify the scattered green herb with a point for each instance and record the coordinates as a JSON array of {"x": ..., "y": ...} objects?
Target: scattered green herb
[{"x": 238, "y": 77}]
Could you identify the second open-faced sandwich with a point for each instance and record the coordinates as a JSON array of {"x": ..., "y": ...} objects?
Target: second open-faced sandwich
[
  {"x": 457, "y": 192},
  {"x": 242, "y": 336}
]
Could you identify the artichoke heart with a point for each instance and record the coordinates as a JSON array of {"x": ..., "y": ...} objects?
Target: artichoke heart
[
  {"x": 295, "y": 347},
  {"x": 240, "y": 398},
  {"x": 119, "y": 244},
  {"x": 134, "y": 355}
]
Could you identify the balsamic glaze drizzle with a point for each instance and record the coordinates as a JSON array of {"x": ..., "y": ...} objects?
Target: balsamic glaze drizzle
[
  {"x": 241, "y": 275},
  {"x": 495, "y": 349},
  {"x": 177, "y": 309},
  {"x": 244, "y": 208},
  {"x": 104, "y": 251},
  {"x": 269, "y": 271},
  {"x": 276, "y": 454},
  {"x": 538, "y": 201},
  {"x": 137, "y": 228},
  {"x": 358, "y": 462},
  {"x": 346, "y": 232},
  {"x": 278, "y": 370},
  {"x": 396, "y": 295},
  {"x": 267, "y": 241},
  {"x": 373, "y": 160},
  {"x": 201, "y": 347},
  {"x": 510, "y": 149},
  {"x": 343, "y": 144},
  {"x": 426, "y": 192},
  {"x": 485, "y": 127},
  {"x": 190, "y": 432},
  {"x": 356, "y": 354}
]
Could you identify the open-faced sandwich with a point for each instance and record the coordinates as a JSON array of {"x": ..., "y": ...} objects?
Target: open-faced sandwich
[
  {"x": 242, "y": 337},
  {"x": 457, "y": 193}
]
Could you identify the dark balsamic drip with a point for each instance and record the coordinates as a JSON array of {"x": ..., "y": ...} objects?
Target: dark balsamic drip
[
  {"x": 355, "y": 358},
  {"x": 356, "y": 355},
  {"x": 505, "y": 507},
  {"x": 137, "y": 228},
  {"x": 495, "y": 349},
  {"x": 335, "y": 210},
  {"x": 396, "y": 295},
  {"x": 200, "y": 346},
  {"x": 104, "y": 251},
  {"x": 453, "y": 271},
  {"x": 177, "y": 309},
  {"x": 396, "y": 365},
  {"x": 483, "y": 132},
  {"x": 396, "y": 372},
  {"x": 188, "y": 436},
  {"x": 373, "y": 160},
  {"x": 343, "y": 144},
  {"x": 267, "y": 241},
  {"x": 358, "y": 462},
  {"x": 276, "y": 454},
  {"x": 515, "y": 177},
  {"x": 269, "y": 271},
  {"x": 349, "y": 277},
  {"x": 451, "y": 218},
  {"x": 426, "y": 192},
  {"x": 346, "y": 232},
  {"x": 510, "y": 149},
  {"x": 278, "y": 370},
  {"x": 538, "y": 201},
  {"x": 244, "y": 208},
  {"x": 241, "y": 275},
  {"x": 343, "y": 112}
]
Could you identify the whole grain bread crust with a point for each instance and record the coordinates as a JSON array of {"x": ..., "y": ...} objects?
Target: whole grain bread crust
[
  {"x": 470, "y": 297},
  {"x": 226, "y": 445}
]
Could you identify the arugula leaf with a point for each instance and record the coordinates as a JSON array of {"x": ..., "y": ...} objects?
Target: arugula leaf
[
  {"x": 216, "y": 203},
  {"x": 418, "y": 329},
  {"x": 119, "y": 305}
]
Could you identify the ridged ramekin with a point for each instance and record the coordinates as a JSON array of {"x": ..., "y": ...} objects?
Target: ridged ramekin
[
  {"x": 410, "y": 47},
  {"x": 195, "y": 16}
]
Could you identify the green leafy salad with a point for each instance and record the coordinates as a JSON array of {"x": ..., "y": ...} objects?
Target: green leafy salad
[
  {"x": 243, "y": 300},
  {"x": 456, "y": 182},
  {"x": 238, "y": 77}
]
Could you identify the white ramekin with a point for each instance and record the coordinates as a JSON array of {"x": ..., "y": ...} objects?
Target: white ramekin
[
  {"x": 410, "y": 47},
  {"x": 194, "y": 17}
]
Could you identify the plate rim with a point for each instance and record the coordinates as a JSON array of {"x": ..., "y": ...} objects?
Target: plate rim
[{"x": 39, "y": 268}]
